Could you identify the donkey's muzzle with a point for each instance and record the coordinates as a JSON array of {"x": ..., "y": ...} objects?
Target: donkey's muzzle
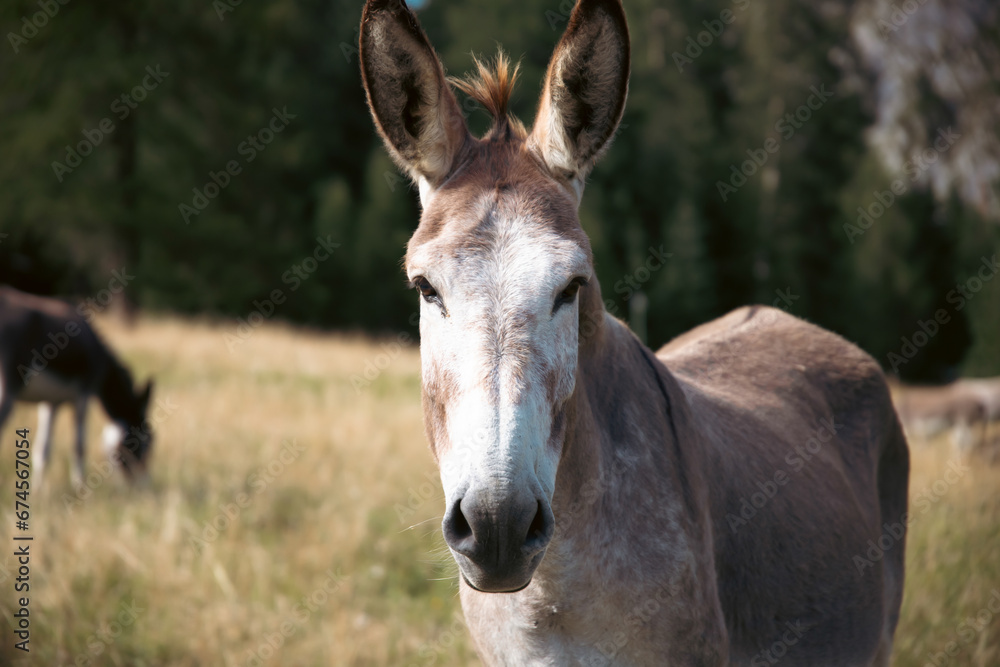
[{"x": 498, "y": 544}]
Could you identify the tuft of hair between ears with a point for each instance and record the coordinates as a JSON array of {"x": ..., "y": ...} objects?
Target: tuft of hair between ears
[{"x": 491, "y": 86}]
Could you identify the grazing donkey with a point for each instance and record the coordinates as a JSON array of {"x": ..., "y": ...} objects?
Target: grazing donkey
[
  {"x": 50, "y": 355},
  {"x": 929, "y": 411},
  {"x": 987, "y": 392},
  {"x": 965, "y": 409},
  {"x": 606, "y": 505}
]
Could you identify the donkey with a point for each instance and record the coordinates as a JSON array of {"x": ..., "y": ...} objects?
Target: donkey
[
  {"x": 50, "y": 355},
  {"x": 927, "y": 411},
  {"x": 604, "y": 504},
  {"x": 987, "y": 392},
  {"x": 962, "y": 409}
]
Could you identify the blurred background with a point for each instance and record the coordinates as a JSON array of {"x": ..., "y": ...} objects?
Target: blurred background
[
  {"x": 711, "y": 83},
  {"x": 205, "y": 178}
]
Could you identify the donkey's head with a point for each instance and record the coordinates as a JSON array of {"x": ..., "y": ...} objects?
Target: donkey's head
[
  {"x": 128, "y": 440},
  {"x": 504, "y": 270}
]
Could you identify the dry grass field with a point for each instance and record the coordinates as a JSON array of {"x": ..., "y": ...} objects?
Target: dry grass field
[{"x": 293, "y": 519}]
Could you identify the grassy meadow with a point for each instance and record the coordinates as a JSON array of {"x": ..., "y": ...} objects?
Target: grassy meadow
[{"x": 293, "y": 519}]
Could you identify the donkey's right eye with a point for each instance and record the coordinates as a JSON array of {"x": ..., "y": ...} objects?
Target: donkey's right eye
[{"x": 427, "y": 291}]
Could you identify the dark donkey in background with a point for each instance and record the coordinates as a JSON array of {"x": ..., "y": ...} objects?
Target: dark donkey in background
[
  {"x": 596, "y": 494},
  {"x": 50, "y": 355}
]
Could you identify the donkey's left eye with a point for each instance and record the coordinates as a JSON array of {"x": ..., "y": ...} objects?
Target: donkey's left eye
[{"x": 569, "y": 294}]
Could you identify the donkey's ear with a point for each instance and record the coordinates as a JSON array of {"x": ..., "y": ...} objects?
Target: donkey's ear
[
  {"x": 414, "y": 108},
  {"x": 583, "y": 97}
]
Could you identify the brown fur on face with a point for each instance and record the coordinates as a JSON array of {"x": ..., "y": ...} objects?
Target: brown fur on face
[{"x": 461, "y": 223}]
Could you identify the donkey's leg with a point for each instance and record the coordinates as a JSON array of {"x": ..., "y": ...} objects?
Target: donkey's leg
[
  {"x": 80, "y": 421},
  {"x": 992, "y": 441},
  {"x": 43, "y": 440},
  {"x": 6, "y": 405},
  {"x": 962, "y": 438},
  {"x": 984, "y": 438}
]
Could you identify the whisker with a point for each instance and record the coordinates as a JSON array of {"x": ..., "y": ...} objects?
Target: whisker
[{"x": 420, "y": 523}]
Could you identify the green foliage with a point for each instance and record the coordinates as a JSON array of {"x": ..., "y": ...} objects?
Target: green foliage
[{"x": 696, "y": 114}]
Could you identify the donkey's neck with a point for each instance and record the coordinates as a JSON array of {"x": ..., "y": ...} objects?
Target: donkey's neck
[
  {"x": 621, "y": 443},
  {"x": 116, "y": 392},
  {"x": 628, "y": 497}
]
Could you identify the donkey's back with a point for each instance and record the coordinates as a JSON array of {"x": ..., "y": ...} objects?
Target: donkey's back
[
  {"x": 48, "y": 351},
  {"x": 808, "y": 470}
]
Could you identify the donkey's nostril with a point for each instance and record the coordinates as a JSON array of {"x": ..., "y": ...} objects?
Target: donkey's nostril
[
  {"x": 540, "y": 529},
  {"x": 537, "y": 526},
  {"x": 500, "y": 537},
  {"x": 457, "y": 531},
  {"x": 460, "y": 528}
]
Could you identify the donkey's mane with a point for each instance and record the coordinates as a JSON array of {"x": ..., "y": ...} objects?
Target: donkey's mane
[{"x": 491, "y": 86}]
